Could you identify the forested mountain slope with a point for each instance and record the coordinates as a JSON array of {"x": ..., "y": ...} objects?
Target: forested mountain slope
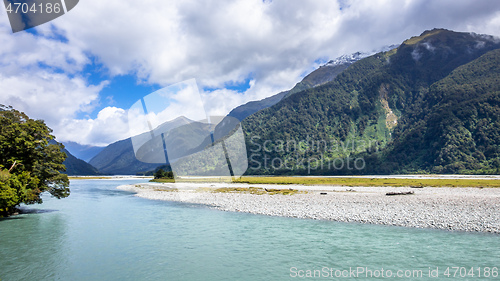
[
  {"x": 324, "y": 74},
  {"x": 429, "y": 105}
]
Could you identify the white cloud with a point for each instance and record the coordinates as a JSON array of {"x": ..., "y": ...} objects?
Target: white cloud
[
  {"x": 218, "y": 43},
  {"x": 181, "y": 99},
  {"x": 110, "y": 125},
  {"x": 219, "y": 102},
  {"x": 46, "y": 95},
  {"x": 42, "y": 77}
]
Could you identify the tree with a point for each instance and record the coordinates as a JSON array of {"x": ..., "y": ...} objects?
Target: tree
[
  {"x": 161, "y": 174},
  {"x": 169, "y": 175},
  {"x": 29, "y": 164}
]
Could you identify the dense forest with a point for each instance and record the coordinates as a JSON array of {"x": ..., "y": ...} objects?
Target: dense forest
[{"x": 428, "y": 106}]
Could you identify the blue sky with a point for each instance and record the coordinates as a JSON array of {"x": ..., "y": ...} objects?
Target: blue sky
[
  {"x": 122, "y": 91},
  {"x": 82, "y": 71}
]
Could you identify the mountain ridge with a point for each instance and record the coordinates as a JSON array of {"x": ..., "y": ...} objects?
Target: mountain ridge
[
  {"x": 119, "y": 158},
  {"x": 325, "y": 73},
  {"x": 78, "y": 167},
  {"x": 75, "y": 166},
  {"x": 83, "y": 152}
]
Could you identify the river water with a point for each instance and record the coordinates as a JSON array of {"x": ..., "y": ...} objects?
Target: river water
[{"x": 101, "y": 233}]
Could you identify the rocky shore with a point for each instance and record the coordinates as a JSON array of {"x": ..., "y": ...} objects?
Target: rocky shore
[{"x": 457, "y": 209}]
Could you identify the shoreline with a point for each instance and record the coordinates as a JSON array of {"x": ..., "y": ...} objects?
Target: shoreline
[
  {"x": 455, "y": 209},
  {"x": 110, "y": 177}
]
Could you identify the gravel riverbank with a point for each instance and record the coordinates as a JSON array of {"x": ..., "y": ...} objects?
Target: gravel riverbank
[{"x": 458, "y": 209}]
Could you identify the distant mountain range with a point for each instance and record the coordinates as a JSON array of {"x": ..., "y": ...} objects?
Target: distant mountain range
[
  {"x": 84, "y": 152},
  {"x": 429, "y": 105},
  {"x": 119, "y": 157},
  {"x": 78, "y": 167}
]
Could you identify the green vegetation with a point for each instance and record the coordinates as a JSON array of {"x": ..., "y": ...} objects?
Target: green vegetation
[
  {"x": 257, "y": 190},
  {"x": 30, "y": 164},
  {"x": 77, "y": 167},
  {"x": 431, "y": 106},
  {"x": 196, "y": 180},
  {"x": 162, "y": 174},
  {"x": 417, "y": 39},
  {"x": 365, "y": 181},
  {"x": 163, "y": 180},
  {"x": 456, "y": 129},
  {"x": 319, "y": 76}
]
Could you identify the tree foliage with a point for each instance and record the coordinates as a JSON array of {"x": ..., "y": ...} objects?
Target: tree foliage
[
  {"x": 29, "y": 164},
  {"x": 162, "y": 174}
]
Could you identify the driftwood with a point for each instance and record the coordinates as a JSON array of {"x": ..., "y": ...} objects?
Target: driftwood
[{"x": 399, "y": 193}]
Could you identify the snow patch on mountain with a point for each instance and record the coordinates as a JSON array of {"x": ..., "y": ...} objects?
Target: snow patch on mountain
[{"x": 348, "y": 59}]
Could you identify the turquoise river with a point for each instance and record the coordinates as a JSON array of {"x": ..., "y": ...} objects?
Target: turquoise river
[{"x": 101, "y": 233}]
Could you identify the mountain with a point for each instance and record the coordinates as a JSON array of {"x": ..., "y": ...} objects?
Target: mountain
[
  {"x": 78, "y": 167},
  {"x": 119, "y": 157},
  {"x": 84, "y": 152},
  {"x": 323, "y": 74},
  {"x": 75, "y": 166},
  {"x": 458, "y": 127},
  {"x": 429, "y": 105}
]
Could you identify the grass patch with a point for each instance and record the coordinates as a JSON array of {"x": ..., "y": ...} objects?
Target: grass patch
[
  {"x": 371, "y": 182},
  {"x": 163, "y": 180},
  {"x": 414, "y": 40},
  {"x": 196, "y": 180},
  {"x": 257, "y": 190},
  {"x": 391, "y": 52}
]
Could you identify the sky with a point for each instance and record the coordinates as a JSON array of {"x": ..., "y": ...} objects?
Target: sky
[{"x": 83, "y": 71}]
